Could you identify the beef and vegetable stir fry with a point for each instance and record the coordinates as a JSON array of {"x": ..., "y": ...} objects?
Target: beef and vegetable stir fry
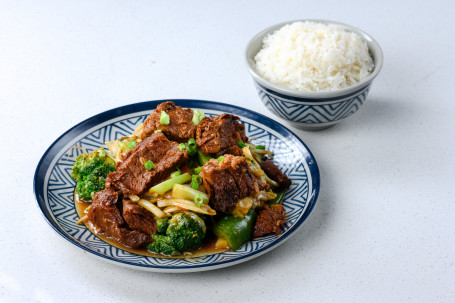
[{"x": 178, "y": 179}]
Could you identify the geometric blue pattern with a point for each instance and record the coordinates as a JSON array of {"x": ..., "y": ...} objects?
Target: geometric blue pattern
[
  {"x": 54, "y": 186},
  {"x": 313, "y": 112}
]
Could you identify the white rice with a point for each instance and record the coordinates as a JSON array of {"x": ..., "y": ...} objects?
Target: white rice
[{"x": 309, "y": 56}]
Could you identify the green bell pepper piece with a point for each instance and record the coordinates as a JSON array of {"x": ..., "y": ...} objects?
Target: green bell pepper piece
[
  {"x": 236, "y": 231},
  {"x": 279, "y": 197}
]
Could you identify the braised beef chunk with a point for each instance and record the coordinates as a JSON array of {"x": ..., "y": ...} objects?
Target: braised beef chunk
[
  {"x": 132, "y": 178},
  {"x": 180, "y": 127},
  {"x": 106, "y": 219},
  {"x": 229, "y": 181},
  {"x": 271, "y": 219},
  {"x": 275, "y": 174},
  {"x": 138, "y": 218},
  {"x": 220, "y": 135}
]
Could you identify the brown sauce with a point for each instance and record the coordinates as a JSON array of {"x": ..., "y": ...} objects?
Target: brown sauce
[{"x": 207, "y": 247}]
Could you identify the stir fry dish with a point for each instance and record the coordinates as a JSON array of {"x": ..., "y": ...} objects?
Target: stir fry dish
[{"x": 179, "y": 181}]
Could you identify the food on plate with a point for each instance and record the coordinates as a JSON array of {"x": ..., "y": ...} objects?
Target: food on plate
[
  {"x": 90, "y": 171},
  {"x": 229, "y": 182},
  {"x": 312, "y": 56},
  {"x": 145, "y": 165},
  {"x": 182, "y": 232},
  {"x": 105, "y": 217},
  {"x": 220, "y": 135},
  {"x": 271, "y": 219},
  {"x": 174, "y": 189},
  {"x": 173, "y": 121}
]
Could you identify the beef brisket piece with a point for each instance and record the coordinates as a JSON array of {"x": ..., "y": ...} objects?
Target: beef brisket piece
[
  {"x": 220, "y": 135},
  {"x": 275, "y": 174},
  {"x": 229, "y": 181},
  {"x": 132, "y": 178},
  {"x": 271, "y": 219},
  {"x": 180, "y": 128},
  {"x": 138, "y": 218},
  {"x": 106, "y": 219}
]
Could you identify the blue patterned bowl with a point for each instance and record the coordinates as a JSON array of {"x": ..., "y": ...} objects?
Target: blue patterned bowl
[{"x": 312, "y": 110}]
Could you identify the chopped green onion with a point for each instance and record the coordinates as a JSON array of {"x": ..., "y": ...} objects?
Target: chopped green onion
[
  {"x": 121, "y": 144},
  {"x": 181, "y": 146},
  {"x": 191, "y": 141},
  {"x": 176, "y": 173},
  {"x": 158, "y": 131},
  {"x": 198, "y": 116},
  {"x": 101, "y": 153},
  {"x": 196, "y": 170},
  {"x": 196, "y": 180},
  {"x": 190, "y": 163},
  {"x": 260, "y": 146},
  {"x": 164, "y": 119},
  {"x": 241, "y": 144},
  {"x": 191, "y": 147},
  {"x": 198, "y": 200},
  {"x": 149, "y": 165},
  {"x": 131, "y": 144},
  {"x": 220, "y": 159}
]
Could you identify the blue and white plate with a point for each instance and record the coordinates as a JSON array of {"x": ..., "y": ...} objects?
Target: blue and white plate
[{"x": 54, "y": 187}]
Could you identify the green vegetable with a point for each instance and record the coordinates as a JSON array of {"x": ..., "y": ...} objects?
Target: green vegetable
[
  {"x": 184, "y": 192},
  {"x": 191, "y": 147},
  {"x": 236, "y": 231},
  {"x": 279, "y": 197},
  {"x": 167, "y": 185},
  {"x": 149, "y": 165},
  {"x": 164, "y": 118},
  {"x": 185, "y": 231},
  {"x": 131, "y": 144},
  {"x": 260, "y": 146},
  {"x": 202, "y": 158},
  {"x": 195, "y": 181},
  {"x": 102, "y": 153},
  {"x": 190, "y": 163},
  {"x": 241, "y": 144},
  {"x": 196, "y": 170},
  {"x": 197, "y": 116},
  {"x": 220, "y": 159},
  {"x": 90, "y": 171},
  {"x": 198, "y": 200},
  {"x": 158, "y": 131},
  {"x": 162, "y": 224},
  {"x": 178, "y": 172},
  {"x": 192, "y": 142},
  {"x": 181, "y": 146}
]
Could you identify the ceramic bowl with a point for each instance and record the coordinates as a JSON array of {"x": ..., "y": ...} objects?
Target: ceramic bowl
[{"x": 312, "y": 110}]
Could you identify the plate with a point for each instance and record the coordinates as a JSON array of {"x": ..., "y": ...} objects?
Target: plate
[{"x": 54, "y": 187}]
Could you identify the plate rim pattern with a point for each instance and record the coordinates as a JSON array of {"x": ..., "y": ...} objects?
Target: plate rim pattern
[{"x": 54, "y": 149}]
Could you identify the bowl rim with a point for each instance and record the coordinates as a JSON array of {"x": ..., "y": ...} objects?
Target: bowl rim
[{"x": 371, "y": 43}]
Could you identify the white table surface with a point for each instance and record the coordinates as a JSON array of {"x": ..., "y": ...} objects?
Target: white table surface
[{"x": 384, "y": 226}]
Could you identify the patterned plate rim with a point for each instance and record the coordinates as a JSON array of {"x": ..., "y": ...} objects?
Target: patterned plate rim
[{"x": 65, "y": 138}]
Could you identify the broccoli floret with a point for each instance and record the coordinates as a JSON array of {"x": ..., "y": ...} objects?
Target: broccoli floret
[
  {"x": 184, "y": 232},
  {"x": 90, "y": 171},
  {"x": 161, "y": 225}
]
